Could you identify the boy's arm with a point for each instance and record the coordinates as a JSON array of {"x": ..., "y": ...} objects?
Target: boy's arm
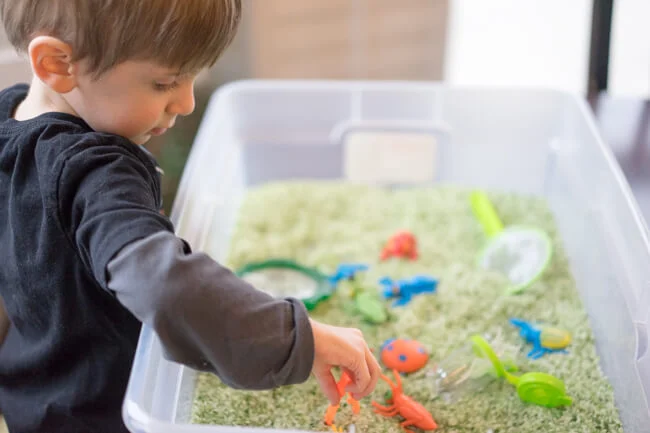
[
  {"x": 205, "y": 316},
  {"x": 209, "y": 319}
]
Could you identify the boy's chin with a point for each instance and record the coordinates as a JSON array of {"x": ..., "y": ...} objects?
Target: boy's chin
[{"x": 141, "y": 139}]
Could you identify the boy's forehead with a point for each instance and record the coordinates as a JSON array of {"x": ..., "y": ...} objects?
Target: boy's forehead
[
  {"x": 159, "y": 68},
  {"x": 156, "y": 68}
]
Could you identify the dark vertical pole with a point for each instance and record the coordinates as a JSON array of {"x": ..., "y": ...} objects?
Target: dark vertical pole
[{"x": 600, "y": 38}]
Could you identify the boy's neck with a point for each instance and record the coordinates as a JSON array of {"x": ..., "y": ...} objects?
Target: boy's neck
[{"x": 40, "y": 100}]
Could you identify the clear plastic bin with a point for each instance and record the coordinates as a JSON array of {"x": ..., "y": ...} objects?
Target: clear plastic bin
[{"x": 532, "y": 141}]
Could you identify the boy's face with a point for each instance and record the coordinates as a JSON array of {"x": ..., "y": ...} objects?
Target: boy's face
[{"x": 136, "y": 99}]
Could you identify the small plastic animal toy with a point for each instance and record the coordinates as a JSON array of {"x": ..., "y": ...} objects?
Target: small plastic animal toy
[
  {"x": 369, "y": 306},
  {"x": 364, "y": 303},
  {"x": 404, "y": 290},
  {"x": 401, "y": 244},
  {"x": 346, "y": 272},
  {"x": 414, "y": 413},
  {"x": 332, "y": 409},
  {"x": 544, "y": 339},
  {"x": 403, "y": 355}
]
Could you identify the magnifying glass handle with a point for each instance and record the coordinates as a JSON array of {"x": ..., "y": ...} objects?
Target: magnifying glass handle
[{"x": 485, "y": 213}]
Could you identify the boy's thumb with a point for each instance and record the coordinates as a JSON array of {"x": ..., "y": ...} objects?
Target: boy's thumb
[{"x": 328, "y": 385}]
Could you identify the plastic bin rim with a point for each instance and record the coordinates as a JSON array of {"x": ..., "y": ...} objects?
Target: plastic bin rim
[
  {"x": 257, "y": 84},
  {"x": 137, "y": 419}
]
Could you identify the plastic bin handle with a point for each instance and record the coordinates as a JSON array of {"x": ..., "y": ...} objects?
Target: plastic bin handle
[
  {"x": 643, "y": 357},
  {"x": 434, "y": 128}
]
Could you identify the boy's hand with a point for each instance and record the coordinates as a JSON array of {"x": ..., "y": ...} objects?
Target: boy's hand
[{"x": 344, "y": 348}]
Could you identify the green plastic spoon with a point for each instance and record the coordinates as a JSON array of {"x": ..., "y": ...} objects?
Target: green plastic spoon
[
  {"x": 520, "y": 253},
  {"x": 537, "y": 388}
]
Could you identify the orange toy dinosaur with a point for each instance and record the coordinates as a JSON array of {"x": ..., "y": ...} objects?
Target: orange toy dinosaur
[{"x": 332, "y": 409}]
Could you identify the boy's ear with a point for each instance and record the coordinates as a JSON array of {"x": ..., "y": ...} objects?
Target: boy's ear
[{"x": 51, "y": 61}]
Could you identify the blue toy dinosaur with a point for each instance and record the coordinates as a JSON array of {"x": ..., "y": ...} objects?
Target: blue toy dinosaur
[
  {"x": 544, "y": 340},
  {"x": 404, "y": 290},
  {"x": 346, "y": 272}
]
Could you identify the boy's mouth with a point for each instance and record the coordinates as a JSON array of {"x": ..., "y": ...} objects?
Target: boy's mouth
[{"x": 158, "y": 131}]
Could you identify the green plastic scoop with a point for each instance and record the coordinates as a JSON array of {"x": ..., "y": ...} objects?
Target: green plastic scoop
[
  {"x": 537, "y": 388},
  {"x": 520, "y": 253}
]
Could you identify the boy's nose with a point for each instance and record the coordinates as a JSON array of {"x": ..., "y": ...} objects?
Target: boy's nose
[{"x": 183, "y": 103}]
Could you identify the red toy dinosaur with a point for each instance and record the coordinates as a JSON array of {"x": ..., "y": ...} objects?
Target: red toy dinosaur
[
  {"x": 401, "y": 244},
  {"x": 401, "y": 404}
]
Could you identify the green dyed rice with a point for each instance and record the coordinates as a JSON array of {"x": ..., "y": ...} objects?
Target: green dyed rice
[{"x": 323, "y": 224}]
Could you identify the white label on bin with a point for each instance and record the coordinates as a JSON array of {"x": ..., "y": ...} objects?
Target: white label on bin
[{"x": 389, "y": 157}]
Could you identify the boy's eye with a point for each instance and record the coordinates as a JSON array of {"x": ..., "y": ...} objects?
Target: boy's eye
[{"x": 165, "y": 87}]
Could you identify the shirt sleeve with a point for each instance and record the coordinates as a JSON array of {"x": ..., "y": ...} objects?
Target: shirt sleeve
[
  {"x": 211, "y": 320},
  {"x": 205, "y": 316}
]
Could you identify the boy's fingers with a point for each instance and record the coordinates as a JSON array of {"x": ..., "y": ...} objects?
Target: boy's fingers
[
  {"x": 374, "y": 368},
  {"x": 328, "y": 385},
  {"x": 360, "y": 376},
  {"x": 374, "y": 371}
]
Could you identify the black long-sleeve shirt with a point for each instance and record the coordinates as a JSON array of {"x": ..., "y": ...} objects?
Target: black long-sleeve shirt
[{"x": 86, "y": 256}]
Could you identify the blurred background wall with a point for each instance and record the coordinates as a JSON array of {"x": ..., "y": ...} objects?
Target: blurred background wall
[{"x": 326, "y": 39}]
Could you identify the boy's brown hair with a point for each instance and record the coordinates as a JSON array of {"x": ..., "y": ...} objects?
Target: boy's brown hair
[{"x": 185, "y": 34}]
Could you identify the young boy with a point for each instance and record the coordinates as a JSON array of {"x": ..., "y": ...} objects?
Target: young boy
[{"x": 86, "y": 255}]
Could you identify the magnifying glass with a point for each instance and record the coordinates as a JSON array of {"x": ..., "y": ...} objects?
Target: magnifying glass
[
  {"x": 520, "y": 253},
  {"x": 287, "y": 278}
]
